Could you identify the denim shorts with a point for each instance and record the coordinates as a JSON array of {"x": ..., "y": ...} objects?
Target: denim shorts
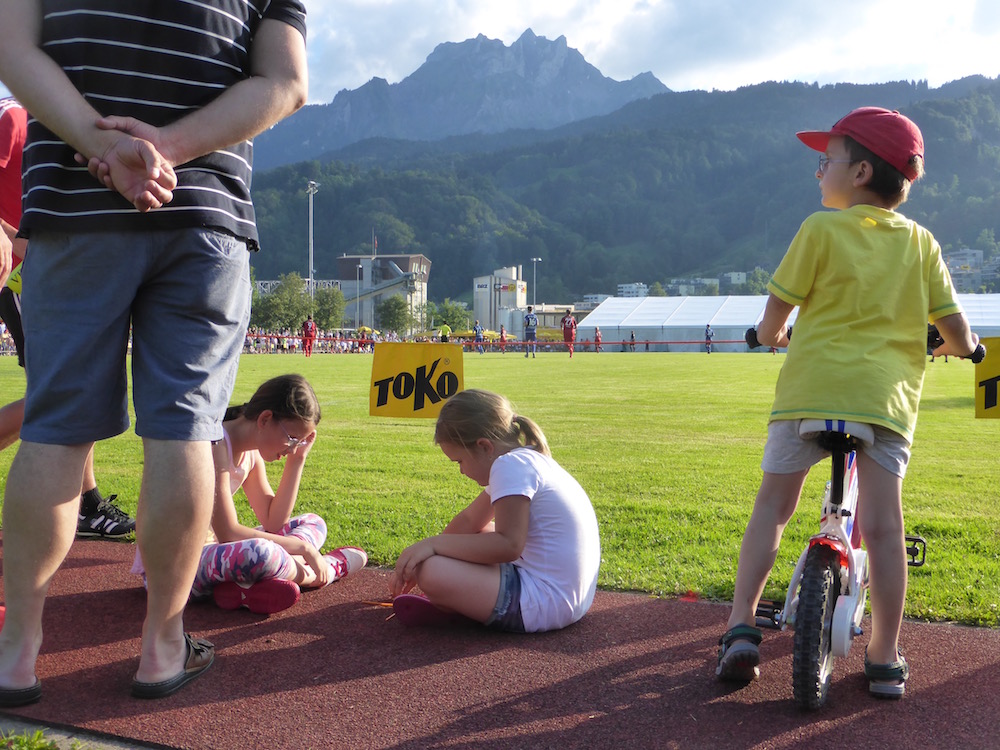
[
  {"x": 184, "y": 295},
  {"x": 786, "y": 452},
  {"x": 507, "y": 612}
]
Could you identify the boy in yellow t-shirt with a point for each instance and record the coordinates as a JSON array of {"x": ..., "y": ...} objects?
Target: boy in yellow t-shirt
[{"x": 866, "y": 281}]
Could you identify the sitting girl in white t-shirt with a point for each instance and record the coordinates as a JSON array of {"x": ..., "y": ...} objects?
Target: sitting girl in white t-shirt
[{"x": 524, "y": 555}]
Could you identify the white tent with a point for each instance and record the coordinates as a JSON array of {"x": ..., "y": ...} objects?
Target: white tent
[{"x": 677, "y": 324}]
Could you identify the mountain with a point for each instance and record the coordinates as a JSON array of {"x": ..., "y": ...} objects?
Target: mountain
[{"x": 476, "y": 86}]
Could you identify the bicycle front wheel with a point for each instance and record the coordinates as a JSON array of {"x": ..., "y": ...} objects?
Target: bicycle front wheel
[{"x": 812, "y": 658}]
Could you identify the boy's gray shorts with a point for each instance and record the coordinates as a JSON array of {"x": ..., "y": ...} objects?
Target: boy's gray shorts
[
  {"x": 186, "y": 295},
  {"x": 787, "y": 453}
]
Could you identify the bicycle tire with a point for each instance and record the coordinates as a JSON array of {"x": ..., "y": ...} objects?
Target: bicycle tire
[{"x": 812, "y": 656}]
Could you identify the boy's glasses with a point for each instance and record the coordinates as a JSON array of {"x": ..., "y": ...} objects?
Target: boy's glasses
[
  {"x": 291, "y": 443},
  {"x": 825, "y": 161}
]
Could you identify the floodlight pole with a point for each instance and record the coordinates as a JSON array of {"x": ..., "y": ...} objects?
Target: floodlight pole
[
  {"x": 357, "y": 305},
  {"x": 311, "y": 188},
  {"x": 533, "y": 277}
]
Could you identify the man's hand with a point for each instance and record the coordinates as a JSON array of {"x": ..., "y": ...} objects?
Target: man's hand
[
  {"x": 751, "y": 338},
  {"x": 139, "y": 173},
  {"x": 133, "y": 165}
]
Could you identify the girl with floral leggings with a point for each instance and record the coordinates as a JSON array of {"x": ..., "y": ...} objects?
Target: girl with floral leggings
[{"x": 264, "y": 568}]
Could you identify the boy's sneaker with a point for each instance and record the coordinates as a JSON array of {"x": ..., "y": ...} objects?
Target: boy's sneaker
[
  {"x": 107, "y": 520},
  {"x": 345, "y": 561},
  {"x": 263, "y": 597}
]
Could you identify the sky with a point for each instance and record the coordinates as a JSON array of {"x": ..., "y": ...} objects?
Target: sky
[{"x": 687, "y": 44}]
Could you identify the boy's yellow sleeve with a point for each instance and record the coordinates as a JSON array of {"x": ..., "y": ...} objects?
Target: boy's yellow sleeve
[
  {"x": 942, "y": 298},
  {"x": 796, "y": 274}
]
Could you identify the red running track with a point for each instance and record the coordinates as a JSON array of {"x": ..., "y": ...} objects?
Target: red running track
[{"x": 333, "y": 672}]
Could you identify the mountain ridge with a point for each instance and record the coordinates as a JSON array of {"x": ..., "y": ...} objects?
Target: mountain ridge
[{"x": 479, "y": 85}]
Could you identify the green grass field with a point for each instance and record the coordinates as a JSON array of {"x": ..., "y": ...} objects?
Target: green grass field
[{"x": 668, "y": 447}]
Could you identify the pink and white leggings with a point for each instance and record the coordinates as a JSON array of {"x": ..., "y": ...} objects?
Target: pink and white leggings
[{"x": 252, "y": 560}]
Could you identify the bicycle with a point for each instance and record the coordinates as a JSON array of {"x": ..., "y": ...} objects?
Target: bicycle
[{"x": 826, "y": 596}]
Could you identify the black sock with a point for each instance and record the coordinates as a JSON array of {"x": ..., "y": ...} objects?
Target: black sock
[{"x": 90, "y": 500}]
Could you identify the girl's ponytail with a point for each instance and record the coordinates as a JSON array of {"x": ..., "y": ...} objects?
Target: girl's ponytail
[
  {"x": 473, "y": 414},
  {"x": 532, "y": 434}
]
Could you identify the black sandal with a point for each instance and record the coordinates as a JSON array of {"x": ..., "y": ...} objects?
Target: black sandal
[
  {"x": 200, "y": 655},
  {"x": 887, "y": 680},
  {"x": 739, "y": 656}
]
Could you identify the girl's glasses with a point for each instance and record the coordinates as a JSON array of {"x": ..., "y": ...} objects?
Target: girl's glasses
[
  {"x": 291, "y": 443},
  {"x": 825, "y": 161}
]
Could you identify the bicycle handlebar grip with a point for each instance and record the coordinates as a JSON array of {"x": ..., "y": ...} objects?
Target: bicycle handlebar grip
[
  {"x": 934, "y": 339},
  {"x": 751, "y": 338}
]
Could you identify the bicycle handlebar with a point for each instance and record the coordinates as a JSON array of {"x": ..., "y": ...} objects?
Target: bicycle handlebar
[{"x": 934, "y": 340}]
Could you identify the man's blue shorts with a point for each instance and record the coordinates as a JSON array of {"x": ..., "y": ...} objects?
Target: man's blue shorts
[{"x": 184, "y": 295}]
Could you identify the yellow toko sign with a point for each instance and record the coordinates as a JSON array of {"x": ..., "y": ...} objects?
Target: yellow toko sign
[
  {"x": 414, "y": 380},
  {"x": 988, "y": 381}
]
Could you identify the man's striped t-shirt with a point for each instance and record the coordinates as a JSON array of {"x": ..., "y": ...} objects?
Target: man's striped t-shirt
[{"x": 155, "y": 60}]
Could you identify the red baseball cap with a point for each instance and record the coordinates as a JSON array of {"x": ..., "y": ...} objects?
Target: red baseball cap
[{"x": 885, "y": 133}]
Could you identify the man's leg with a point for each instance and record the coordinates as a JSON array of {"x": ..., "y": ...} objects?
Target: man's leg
[
  {"x": 175, "y": 507},
  {"x": 187, "y": 336},
  {"x": 39, "y": 524}
]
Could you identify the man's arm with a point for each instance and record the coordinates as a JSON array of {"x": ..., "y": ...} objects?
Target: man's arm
[
  {"x": 134, "y": 167},
  {"x": 277, "y": 87}
]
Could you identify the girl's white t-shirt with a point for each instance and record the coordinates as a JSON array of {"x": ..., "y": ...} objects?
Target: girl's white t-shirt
[{"x": 562, "y": 553}]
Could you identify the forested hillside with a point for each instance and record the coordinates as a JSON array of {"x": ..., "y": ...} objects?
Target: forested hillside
[{"x": 682, "y": 184}]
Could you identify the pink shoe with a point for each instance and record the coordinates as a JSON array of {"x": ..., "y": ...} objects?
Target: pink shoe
[
  {"x": 414, "y": 611},
  {"x": 345, "y": 561},
  {"x": 264, "y": 597}
]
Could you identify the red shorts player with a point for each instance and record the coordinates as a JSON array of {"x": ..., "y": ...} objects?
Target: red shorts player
[
  {"x": 308, "y": 336},
  {"x": 568, "y": 324}
]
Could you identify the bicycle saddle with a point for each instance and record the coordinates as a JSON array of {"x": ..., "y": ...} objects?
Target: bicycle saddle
[{"x": 811, "y": 428}]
